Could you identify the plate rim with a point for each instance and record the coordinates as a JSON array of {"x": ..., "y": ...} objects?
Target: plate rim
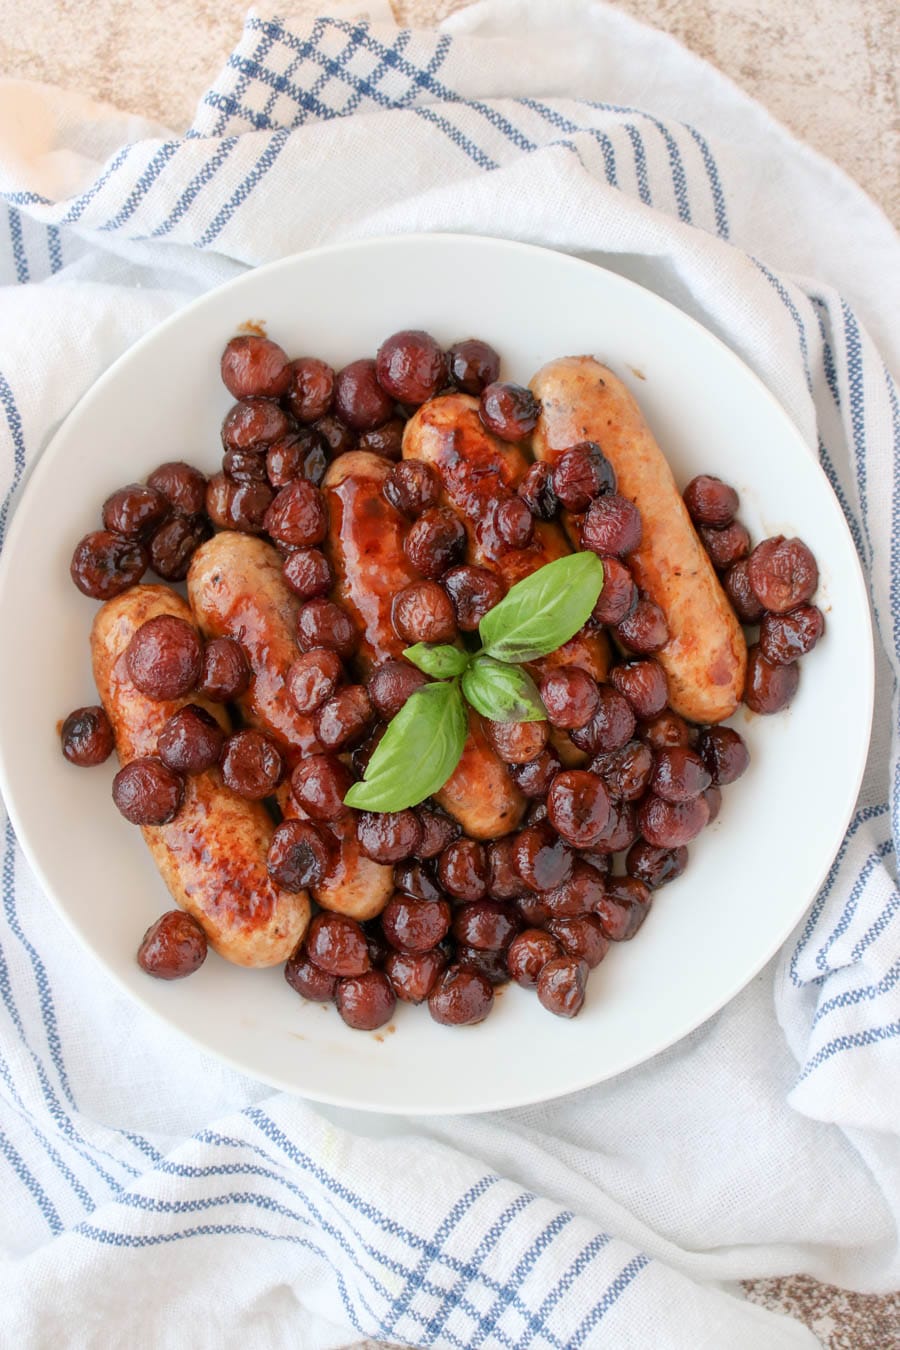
[{"x": 438, "y": 239}]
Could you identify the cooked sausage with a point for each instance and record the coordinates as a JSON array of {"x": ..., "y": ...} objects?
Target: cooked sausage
[
  {"x": 475, "y": 469},
  {"x": 212, "y": 856},
  {"x": 705, "y": 658},
  {"x": 236, "y": 589},
  {"x": 365, "y": 547},
  {"x": 354, "y": 885},
  {"x": 480, "y": 793}
]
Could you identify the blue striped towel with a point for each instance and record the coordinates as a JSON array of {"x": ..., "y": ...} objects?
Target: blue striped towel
[{"x": 154, "y": 1197}]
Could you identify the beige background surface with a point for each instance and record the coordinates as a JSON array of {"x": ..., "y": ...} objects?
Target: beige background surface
[{"x": 828, "y": 69}]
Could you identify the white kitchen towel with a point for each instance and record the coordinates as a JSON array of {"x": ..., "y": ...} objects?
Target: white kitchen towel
[{"x": 153, "y": 1197}]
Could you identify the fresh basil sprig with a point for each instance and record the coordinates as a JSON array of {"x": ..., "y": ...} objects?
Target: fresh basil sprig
[
  {"x": 423, "y": 743},
  {"x": 502, "y": 692},
  {"x": 543, "y": 611},
  {"x": 417, "y": 753},
  {"x": 441, "y": 662}
]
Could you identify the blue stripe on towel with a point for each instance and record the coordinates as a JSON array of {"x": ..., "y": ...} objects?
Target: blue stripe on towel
[
  {"x": 485, "y": 1247},
  {"x": 18, "y": 246},
  {"x": 441, "y": 1233},
  {"x": 561, "y": 123},
  {"x": 865, "y": 993},
  {"x": 857, "y": 1041},
  {"x": 200, "y": 180},
  {"x": 81, "y": 203},
  {"x": 45, "y": 993},
  {"x": 390, "y": 1226},
  {"x": 54, "y": 248},
  {"x": 862, "y": 817},
  {"x": 537, "y": 1323},
  {"x": 508, "y": 1291},
  {"x": 143, "y": 185},
  {"x": 873, "y": 861},
  {"x": 676, "y": 164},
  {"x": 30, "y": 1182},
  {"x": 26, "y": 1116},
  {"x": 14, "y": 424},
  {"x": 61, "y": 1118},
  {"x": 613, "y": 1293},
  {"x": 715, "y": 182},
  {"x": 257, "y": 173},
  {"x": 110, "y": 1238}
]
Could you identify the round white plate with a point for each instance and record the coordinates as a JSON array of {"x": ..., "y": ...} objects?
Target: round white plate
[{"x": 751, "y": 875}]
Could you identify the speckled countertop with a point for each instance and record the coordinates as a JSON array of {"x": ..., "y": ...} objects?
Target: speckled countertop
[{"x": 828, "y": 69}]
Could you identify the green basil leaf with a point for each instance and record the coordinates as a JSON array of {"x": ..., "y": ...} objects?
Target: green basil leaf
[
  {"x": 502, "y": 692},
  {"x": 544, "y": 610},
  {"x": 417, "y": 753},
  {"x": 443, "y": 662}
]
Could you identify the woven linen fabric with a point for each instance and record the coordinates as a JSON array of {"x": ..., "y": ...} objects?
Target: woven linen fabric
[{"x": 150, "y": 1195}]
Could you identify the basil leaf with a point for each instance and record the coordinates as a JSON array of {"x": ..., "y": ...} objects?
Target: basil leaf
[
  {"x": 417, "y": 753},
  {"x": 502, "y": 692},
  {"x": 442, "y": 662},
  {"x": 544, "y": 610}
]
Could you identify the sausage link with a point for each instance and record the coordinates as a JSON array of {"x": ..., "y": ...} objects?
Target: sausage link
[
  {"x": 354, "y": 885},
  {"x": 212, "y": 855},
  {"x": 480, "y": 793},
  {"x": 364, "y": 545},
  {"x": 236, "y": 589},
  {"x": 365, "y": 548},
  {"x": 475, "y": 469},
  {"x": 705, "y": 658}
]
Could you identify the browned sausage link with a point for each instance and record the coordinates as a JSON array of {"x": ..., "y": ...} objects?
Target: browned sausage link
[
  {"x": 475, "y": 468},
  {"x": 212, "y": 856},
  {"x": 365, "y": 544},
  {"x": 354, "y": 885},
  {"x": 236, "y": 589},
  {"x": 479, "y": 793},
  {"x": 706, "y": 656},
  {"x": 365, "y": 548}
]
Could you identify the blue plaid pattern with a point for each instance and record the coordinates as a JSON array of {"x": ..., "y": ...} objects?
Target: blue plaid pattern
[
  {"x": 276, "y": 82},
  {"x": 537, "y": 1275}
]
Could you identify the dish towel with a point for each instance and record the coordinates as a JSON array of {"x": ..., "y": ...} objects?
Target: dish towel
[{"x": 153, "y": 1197}]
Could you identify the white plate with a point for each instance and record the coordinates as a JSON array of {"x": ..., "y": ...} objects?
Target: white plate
[{"x": 751, "y": 875}]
